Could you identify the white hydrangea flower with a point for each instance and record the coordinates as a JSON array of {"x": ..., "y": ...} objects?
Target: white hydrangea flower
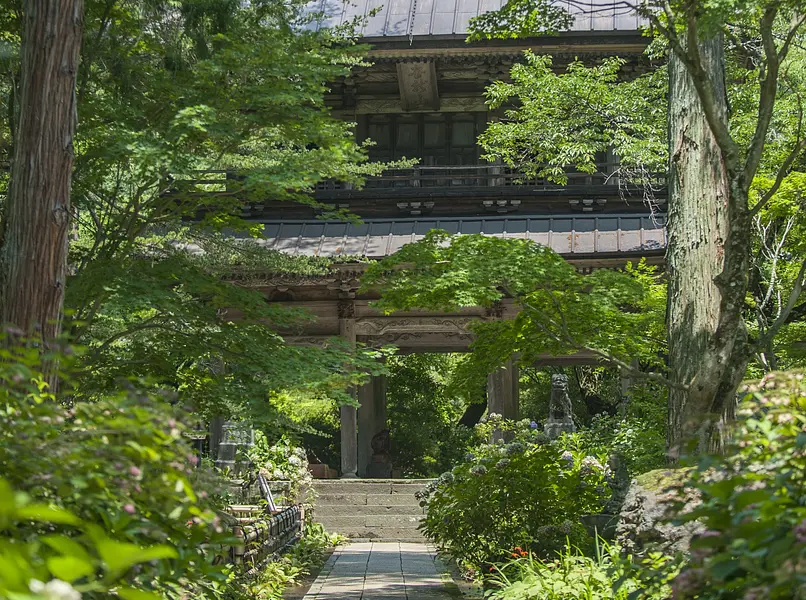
[
  {"x": 592, "y": 462},
  {"x": 55, "y": 589}
]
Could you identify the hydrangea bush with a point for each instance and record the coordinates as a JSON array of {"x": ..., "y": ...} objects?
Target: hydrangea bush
[
  {"x": 753, "y": 502},
  {"x": 281, "y": 461},
  {"x": 73, "y": 559},
  {"x": 527, "y": 492}
]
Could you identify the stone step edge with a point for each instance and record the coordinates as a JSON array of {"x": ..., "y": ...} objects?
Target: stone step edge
[
  {"x": 388, "y": 501},
  {"x": 361, "y": 480},
  {"x": 413, "y": 540}
]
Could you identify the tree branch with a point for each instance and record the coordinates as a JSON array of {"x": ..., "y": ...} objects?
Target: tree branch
[
  {"x": 764, "y": 340},
  {"x": 779, "y": 178},
  {"x": 797, "y": 23},
  {"x": 606, "y": 356},
  {"x": 768, "y": 75},
  {"x": 148, "y": 324}
]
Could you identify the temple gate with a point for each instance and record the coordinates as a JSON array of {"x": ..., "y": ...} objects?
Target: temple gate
[{"x": 423, "y": 98}]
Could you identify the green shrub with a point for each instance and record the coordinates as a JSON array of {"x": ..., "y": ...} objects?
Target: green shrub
[
  {"x": 122, "y": 467},
  {"x": 70, "y": 558},
  {"x": 573, "y": 576},
  {"x": 529, "y": 493},
  {"x": 753, "y": 502},
  {"x": 312, "y": 419},
  {"x": 642, "y": 446}
]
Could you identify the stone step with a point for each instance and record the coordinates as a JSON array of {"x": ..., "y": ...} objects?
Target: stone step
[
  {"x": 346, "y": 510},
  {"x": 364, "y": 499},
  {"x": 370, "y": 486},
  {"x": 390, "y": 534},
  {"x": 338, "y": 523},
  {"x": 370, "y": 509},
  {"x": 325, "y": 499}
]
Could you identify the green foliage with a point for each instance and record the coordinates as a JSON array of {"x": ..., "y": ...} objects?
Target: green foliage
[
  {"x": 313, "y": 419},
  {"x": 528, "y": 493},
  {"x": 172, "y": 321},
  {"x": 74, "y": 557},
  {"x": 168, "y": 90},
  {"x": 642, "y": 446},
  {"x": 573, "y": 576},
  {"x": 120, "y": 474},
  {"x": 612, "y": 313},
  {"x": 423, "y": 411},
  {"x": 554, "y": 120},
  {"x": 779, "y": 249},
  {"x": 520, "y": 19},
  {"x": 574, "y": 118},
  {"x": 750, "y": 501},
  {"x": 637, "y": 435}
]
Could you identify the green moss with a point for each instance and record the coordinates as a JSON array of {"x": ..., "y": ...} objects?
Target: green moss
[{"x": 660, "y": 479}]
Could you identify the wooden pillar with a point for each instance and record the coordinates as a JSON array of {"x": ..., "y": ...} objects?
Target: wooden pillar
[
  {"x": 503, "y": 393},
  {"x": 366, "y": 423},
  {"x": 513, "y": 410},
  {"x": 371, "y": 418},
  {"x": 348, "y": 414}
]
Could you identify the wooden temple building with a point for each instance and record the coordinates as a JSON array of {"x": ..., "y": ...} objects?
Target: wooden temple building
[{"x": 423, "y": 98}]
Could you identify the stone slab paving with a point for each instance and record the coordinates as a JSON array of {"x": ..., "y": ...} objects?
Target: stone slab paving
[{"x": 381, "y": 571}]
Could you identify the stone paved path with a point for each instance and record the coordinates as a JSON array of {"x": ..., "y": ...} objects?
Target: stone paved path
[{"x": 380, "y": 571}]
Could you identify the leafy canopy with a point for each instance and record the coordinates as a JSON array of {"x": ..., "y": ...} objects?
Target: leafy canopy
[
  {"x": 610, "y": 313},
  {"x": 167, "y": 91}
]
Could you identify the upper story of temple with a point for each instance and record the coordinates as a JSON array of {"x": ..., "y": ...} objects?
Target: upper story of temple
[{"x": 422, "y": 98}]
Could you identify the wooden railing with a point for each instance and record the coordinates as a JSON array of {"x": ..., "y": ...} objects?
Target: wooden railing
[
  {"x": 483, "y": 176},
  {"x": 474, "y": 179}
]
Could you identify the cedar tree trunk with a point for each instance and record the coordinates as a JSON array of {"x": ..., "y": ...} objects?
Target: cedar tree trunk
[
  {"x": 33, "y": 258},
  {"x": 708, "y": 244}
]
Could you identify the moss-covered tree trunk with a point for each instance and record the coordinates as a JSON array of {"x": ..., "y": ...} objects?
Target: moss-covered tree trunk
[
  {"x": 33, "y": 259},
  {"x": 707, "y": 239}
]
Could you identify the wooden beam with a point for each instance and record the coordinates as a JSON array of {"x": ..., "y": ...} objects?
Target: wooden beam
[{"x": 418, "y": 86}]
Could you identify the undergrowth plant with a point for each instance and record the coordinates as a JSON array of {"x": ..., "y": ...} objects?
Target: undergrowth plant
[
  {"x": 281, "y": 461},
  {"x": 571, "y": 575},
  {"x": 751, "y": 502},
  {"x": 303, "y": 559}
]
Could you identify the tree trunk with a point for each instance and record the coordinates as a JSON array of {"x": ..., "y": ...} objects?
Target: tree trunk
[
  {"x": 33, "y": 258},
  {"x": 472, "y": 415},
  {"x": 699, "y": 225}
]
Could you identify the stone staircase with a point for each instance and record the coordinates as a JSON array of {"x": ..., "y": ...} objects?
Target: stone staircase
[{"x": 370, "y": 509}]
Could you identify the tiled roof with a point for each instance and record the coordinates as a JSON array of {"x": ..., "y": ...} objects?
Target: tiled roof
[
  {"x": 376, "y": 238},
  {"x": 412, "y": 18}
]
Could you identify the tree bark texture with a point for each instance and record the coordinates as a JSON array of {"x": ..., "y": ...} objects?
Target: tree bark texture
[
  {"x": 699, "y": 226},
  {"x": 33, "y": 258}
]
